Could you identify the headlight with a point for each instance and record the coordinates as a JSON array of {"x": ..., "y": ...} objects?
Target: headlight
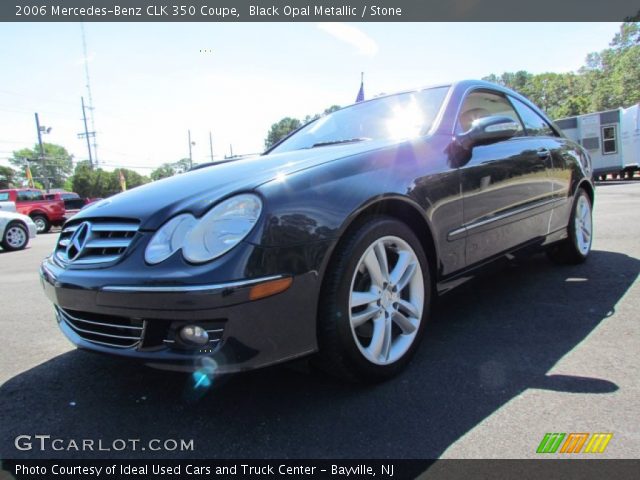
[
  {"x": 169, "y": 238},
  {"x": 209, "y": 237},
  {"x": 222, "y": 228}
]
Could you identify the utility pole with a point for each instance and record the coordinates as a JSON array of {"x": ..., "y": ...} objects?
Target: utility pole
[
  {"x": 86, "y": 131},
  {"x": 211, "y": 145},
  {"x": 42, "y": 158},
  {"x": 190, "y": 155},
  {"x": 88, "y": 79}
]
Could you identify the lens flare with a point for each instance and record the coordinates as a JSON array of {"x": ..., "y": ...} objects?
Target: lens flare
[
  {"x": 202, "y": 379},
  {"x": 407, "y": 121}
]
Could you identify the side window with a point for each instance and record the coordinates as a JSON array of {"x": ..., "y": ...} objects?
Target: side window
[
  {"x": 534, "y": 123},
  {"x": 609, "y": 135},
  {"x": 4, "y": 196},
  {"x": 24, "y": 196},
  {"x": 482, "y": 104},
  {"x": 36, "y": 196}
]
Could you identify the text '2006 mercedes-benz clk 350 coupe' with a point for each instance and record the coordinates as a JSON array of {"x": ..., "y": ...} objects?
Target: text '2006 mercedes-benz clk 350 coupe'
[{"x": 333, "y": 243}]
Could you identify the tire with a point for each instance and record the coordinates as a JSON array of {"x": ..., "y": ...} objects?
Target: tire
[
  {"x": 15, "y": 237},
  {"x": 575, "y": 249},
  {"x": 629, "y": 174},
  {"x": 373, "y": 340},
  {"x": 42, "y": 223}
]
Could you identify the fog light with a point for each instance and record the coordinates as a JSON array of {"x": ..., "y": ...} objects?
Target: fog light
[{"x": 194, "y": 335}]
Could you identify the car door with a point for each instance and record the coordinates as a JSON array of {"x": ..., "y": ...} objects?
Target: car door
[
  {"x": 564, "y": 155},
  {"x": 505, "y": 185}
]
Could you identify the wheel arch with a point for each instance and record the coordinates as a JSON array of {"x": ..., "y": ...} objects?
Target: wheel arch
[
  {"x": 401, "y": 208},
  {"x": 38, "y": 213},
  {"x": 9, "y": 224},
  {"x": 587, "y": 186}
]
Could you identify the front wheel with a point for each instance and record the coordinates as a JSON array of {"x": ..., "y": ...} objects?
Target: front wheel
[
  {"x": 575, "y": 249},
  {"x": 374, "y": 303},
  {"x": 16, "y": 237}
]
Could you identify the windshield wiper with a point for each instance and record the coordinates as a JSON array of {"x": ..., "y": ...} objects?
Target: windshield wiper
[{"x": 337, "y": 142}]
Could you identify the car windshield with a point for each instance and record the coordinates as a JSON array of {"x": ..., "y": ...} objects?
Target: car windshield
[{"x": 405, "y": 115}]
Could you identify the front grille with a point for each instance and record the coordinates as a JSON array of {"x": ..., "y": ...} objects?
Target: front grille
[
  {"x": 95, "y": 241},
  {"x": 120, "y": 332}
]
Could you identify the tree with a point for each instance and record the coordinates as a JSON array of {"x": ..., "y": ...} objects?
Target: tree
[
  {"x": 132, "y": 178},
  {"x": 169, "y": 169},
  {"x": 609, "y": 79},
  {"x": 88, "y": 182},
  {"x": 6, "y": 176},
  {"x": 56, "y": 165},
  {"x": 287, "y": 125},
  {"x": 163, "y": 171},
  {"x": 85, "y": 182},
  {"x": 280, "y": 130}
]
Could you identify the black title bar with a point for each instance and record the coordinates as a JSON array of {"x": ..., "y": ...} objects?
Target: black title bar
[
  {"x": 315, "y": 11},
  {"x": 568, "y": 469}
]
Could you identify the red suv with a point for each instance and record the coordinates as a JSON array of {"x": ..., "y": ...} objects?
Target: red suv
[
  {"x": 29, "y": 201},
  {"x": 73, "y": 202}
]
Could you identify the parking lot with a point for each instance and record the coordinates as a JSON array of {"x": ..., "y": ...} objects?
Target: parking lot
[{"x": 529, "y": 349}]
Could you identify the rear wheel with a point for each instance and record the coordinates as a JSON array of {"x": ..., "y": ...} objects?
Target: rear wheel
[
  {"x": 42, "y": 223},
  {"x": 374, "y": 302},
  {"x": 575, "y": 249},
  {"x": 16, "y": 237}
]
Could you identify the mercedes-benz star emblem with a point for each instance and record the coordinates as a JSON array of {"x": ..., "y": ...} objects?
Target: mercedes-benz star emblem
[{"x": 78, "y": 241}]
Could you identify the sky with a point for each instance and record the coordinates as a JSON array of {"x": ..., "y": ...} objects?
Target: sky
[{"x": 153, "y": 82}]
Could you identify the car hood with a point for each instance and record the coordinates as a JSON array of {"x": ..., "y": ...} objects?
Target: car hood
[{"x": 196, "y": 191}]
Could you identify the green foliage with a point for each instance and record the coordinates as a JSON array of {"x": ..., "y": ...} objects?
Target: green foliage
[
  {"x": 164, "y": 171},
  {"x": 287, "y": 125},
  {"x": 609, "y": 79},
  {"x": 88, "y": 182},
  {"x": 6, "y": 177},
  {"x": 280, "y": 130},
  {"x": 56, "y": 165},
  {"x": 170, "y": 169}
]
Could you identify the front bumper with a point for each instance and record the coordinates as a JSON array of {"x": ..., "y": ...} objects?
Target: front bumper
[
  {"x": 248, "y": 334},
  {"x": 33, "y": 230}
]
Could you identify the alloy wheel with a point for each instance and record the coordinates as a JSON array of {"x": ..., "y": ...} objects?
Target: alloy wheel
[
  {"x": 386, "y": 300},
  {"x": 583, "y": 225}
]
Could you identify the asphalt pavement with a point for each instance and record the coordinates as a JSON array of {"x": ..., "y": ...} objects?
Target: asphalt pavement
[{"x": 528, "y": 349}]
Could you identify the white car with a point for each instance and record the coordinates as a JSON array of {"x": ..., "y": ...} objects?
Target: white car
[{"x": 15, "y": 229}]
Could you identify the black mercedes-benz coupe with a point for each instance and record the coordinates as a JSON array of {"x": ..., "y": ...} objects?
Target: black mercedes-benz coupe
[{"x": 334, "y": 242}]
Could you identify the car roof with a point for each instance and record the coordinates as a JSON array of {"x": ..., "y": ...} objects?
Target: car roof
[{"x": 461, "y": 84}]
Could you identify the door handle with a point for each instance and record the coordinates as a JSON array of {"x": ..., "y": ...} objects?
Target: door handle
[{"x": 543, "y": 152}]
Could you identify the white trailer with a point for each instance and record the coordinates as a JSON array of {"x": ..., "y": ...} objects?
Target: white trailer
[{"x": 612, "y": 138}]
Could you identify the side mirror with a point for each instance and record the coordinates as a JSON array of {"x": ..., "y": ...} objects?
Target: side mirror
[{"x": 488, "y": 130}]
